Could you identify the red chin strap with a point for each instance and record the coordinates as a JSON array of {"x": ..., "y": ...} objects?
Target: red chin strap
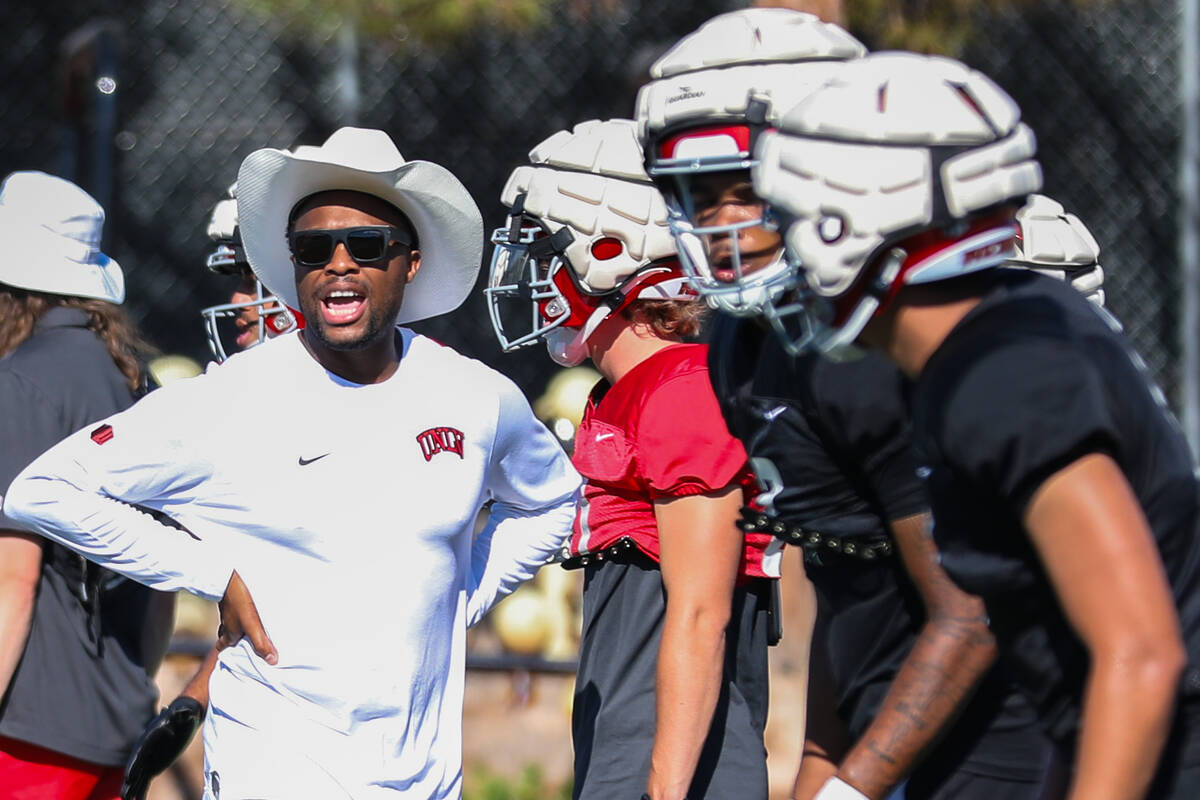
[
  {"x": 278, "y": 323},
  {"x": 921, "y": 248}
]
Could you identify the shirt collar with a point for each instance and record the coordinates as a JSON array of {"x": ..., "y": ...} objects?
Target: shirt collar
[{"x": 64, "y": 317}]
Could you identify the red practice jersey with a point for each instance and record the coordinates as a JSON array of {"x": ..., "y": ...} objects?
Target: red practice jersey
[{"x": 657, "y": 433}]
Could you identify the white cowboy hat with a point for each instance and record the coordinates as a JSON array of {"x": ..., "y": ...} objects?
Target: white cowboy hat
[
  {"x": 51, "y": 229},
  {"x": 448, "y": 223}
]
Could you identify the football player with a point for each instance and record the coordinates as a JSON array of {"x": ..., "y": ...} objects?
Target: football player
[
  {"x": 897, "y": 686},
  {"x": 671, "y": 692},
  {"x": 1062, "y": 487},
  {"x": 255, "y": 313}
]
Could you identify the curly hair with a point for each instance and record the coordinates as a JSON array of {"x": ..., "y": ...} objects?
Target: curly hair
[
  {"x": 669, "y": 318},
  {"x": 20, "y": 311}
]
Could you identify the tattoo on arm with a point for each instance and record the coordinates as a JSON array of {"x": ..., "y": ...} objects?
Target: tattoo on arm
[{"x": 950, "y": 655}]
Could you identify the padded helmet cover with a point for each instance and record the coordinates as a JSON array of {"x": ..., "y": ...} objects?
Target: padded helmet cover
[
  {"x": 591, "y": 180},
  {"x": 894, "y": 144},
  {"x": 773, "y": 55}
]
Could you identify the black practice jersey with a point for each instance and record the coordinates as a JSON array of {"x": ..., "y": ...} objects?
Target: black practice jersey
[
  {"x": 1032, "y": 379},
  {"x": 830, "y": 443}
]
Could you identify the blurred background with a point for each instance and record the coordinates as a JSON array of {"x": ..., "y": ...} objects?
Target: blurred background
[{"x": 152, "y": 104}]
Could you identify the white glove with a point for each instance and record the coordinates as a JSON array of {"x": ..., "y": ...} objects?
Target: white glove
[{"x": 837, "y": 789}]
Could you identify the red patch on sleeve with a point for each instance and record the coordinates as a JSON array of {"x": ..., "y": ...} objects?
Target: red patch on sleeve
[{"x": 102, "y": 434}]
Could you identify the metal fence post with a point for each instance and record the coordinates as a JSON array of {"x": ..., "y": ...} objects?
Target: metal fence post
[{"x": 1189, "y": 217}]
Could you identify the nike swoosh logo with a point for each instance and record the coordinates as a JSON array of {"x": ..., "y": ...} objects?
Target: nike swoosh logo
[
  {"x": 600, "y": 437},
  {"x": 304, "y": 462},
  {"x": 774, "y": 412}
]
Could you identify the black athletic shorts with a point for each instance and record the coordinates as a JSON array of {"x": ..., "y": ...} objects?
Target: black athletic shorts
[{"x": 614, "y": 713}]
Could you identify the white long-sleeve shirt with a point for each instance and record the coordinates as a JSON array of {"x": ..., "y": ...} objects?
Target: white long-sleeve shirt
[{"x": 348, "y": 510}]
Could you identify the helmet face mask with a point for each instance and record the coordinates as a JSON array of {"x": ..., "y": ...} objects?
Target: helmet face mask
[
  {"x": 712, "y": 96},
  {"x": 524, "y": 299},
  {"x": 227, "y": 259},
  {"x": 263, "y": 311},
  {"x": 268, "y": 317},
  {"x": 587, "y": 235},
  {"x": 534, "y": 294},
  {"x": 803, "y": 321},
  {"x": 728, "y": 244}
]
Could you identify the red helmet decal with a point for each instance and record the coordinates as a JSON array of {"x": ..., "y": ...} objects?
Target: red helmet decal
[
  {"x": 606, "y": 248},
  {"x": 579, "y": 305},
  {"x": 714, "y": 140},
  {"x": 921, "y": 247}
]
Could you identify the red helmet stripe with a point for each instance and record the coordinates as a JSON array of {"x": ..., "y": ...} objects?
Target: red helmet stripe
[{"x": 714, "y": 138}]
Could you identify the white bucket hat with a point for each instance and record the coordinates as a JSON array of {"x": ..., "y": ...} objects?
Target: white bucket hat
[
  {"x": 51, "y": 229},
  {"x": 448, "y": 223}
]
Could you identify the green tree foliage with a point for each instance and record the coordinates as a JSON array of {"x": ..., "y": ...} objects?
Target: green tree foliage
[
  {"x": 927, "y": 26},
  {"x": 430, "y": 21}
]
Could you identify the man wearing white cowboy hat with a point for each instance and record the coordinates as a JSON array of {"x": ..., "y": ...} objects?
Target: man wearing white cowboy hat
[
  {"x": 78, "y": 645},
  {"x": 354, "y": 531}
]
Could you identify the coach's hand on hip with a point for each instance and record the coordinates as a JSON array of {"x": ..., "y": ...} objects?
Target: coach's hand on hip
[{"x": 239, "y": 617}]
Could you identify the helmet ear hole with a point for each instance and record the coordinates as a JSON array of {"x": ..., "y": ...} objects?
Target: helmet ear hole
[{"x": 607, "y": 248}]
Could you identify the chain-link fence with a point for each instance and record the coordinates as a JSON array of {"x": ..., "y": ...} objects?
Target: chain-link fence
[
  {"x": 201, "y": 83},
  {"x": 1098, "y": 82}
]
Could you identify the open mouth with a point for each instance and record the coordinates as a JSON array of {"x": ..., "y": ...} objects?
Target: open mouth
[
  {"x": 725, "y": 274},
  {"x": 247, "y": 338},
  {"x": 247, "y": 332},
  {"x": 721, "y": 265},
  {"x": 342, "y": 306}
]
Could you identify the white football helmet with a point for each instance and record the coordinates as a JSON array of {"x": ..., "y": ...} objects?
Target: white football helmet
[
  {"x": 711, "y": 96},
  {"x": 1057, "y": 244},
  {"x": 586, "y": 236},
  {"x": 270, "y": 316},
  {"x": 904, "y": 169}
]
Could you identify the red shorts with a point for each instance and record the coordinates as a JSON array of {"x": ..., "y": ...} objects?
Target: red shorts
[{"x": 29, "y": 772}]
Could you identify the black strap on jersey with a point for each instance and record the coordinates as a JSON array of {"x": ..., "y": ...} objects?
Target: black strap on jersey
[
  {"x": 622, "y": 551},
  {"x": 815, "y": 543}
]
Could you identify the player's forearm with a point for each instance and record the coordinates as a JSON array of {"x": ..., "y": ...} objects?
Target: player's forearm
[
  {"x": 197, "y": 687},
  {"x": 17, "y": 598},
  {"x": 691, "y": 658},
  {"x": 1128, "y": 706},
  {"x": 815, "y": 768},
  {"x": 936, "y": 679}
]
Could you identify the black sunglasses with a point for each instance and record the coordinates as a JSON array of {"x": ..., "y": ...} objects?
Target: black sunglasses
[{"x": 366, "y": 245}]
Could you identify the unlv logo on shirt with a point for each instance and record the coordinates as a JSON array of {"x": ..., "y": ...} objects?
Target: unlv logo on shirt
[{"x": 440, "y": 440}]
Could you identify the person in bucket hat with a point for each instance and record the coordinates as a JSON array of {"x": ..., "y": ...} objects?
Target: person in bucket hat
[
  {"x": 79, "y": 645},
  {"x": 53, "y": 232},
  {"x": 354, "y": 531}
]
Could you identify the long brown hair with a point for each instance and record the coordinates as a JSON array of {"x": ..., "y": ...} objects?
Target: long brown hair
[
  {"x": 20, "y": 311},
  {"x": 668, "y": 318}
]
